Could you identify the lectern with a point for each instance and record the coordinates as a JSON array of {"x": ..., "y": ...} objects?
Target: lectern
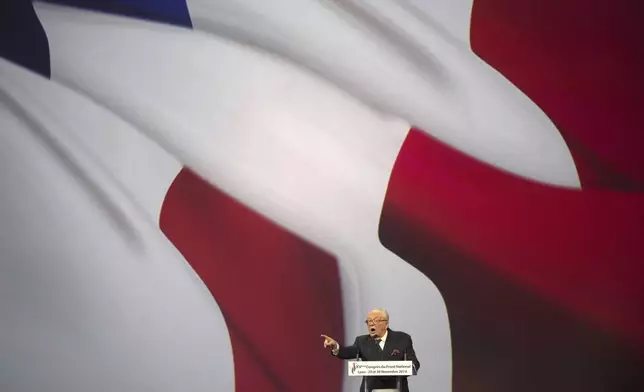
[{"x": 368, "y": 369}]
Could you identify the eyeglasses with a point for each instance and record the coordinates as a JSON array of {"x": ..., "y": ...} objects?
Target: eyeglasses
[{"x": 374, "y": 321}]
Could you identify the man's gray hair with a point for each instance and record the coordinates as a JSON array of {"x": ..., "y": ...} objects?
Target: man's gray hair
[{"x": 382, "y": 311}]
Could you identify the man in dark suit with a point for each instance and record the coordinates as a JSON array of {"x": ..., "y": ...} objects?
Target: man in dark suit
[{"x": 380, "y": 344}]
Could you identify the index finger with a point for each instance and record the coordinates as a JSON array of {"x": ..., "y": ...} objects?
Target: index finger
[{"x": 326, "y": 337}]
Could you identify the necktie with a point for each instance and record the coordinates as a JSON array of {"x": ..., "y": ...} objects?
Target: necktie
[{"x": 378, "y": 344}]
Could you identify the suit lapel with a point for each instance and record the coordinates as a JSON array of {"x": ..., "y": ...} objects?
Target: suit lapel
[
  {"x": 371, "y": 348},
  {"x": 389, "y": 343}
]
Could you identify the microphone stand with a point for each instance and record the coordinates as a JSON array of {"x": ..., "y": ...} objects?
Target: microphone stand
[
  {"x": 365, "y": 378},
  {"x": 399, "y": 378}
]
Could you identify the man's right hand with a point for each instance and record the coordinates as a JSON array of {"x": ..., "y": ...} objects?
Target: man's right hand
[{"x": 330, "y": 342}]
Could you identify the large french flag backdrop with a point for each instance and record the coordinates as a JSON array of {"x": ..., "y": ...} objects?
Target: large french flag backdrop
[{"x": 192, "y": 191}]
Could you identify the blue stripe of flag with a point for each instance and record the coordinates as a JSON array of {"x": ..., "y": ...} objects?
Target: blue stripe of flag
[
  {"x": 22, "y": 38},
  {"x": 24, "y": 41},
  {"x": 173, "y": 12}
]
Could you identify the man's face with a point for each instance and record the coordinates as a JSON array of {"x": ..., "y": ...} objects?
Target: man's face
[{"x": 377, "y": 324}]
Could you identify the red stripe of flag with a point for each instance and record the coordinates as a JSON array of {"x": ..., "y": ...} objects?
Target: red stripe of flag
[
  {"x": 277, "y": 292},
  {"x": 581, "y": 61},
  {"x": 544, "y": 287}
]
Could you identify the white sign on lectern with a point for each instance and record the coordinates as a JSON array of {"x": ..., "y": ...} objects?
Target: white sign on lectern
[{"x": 380, "y": 368}]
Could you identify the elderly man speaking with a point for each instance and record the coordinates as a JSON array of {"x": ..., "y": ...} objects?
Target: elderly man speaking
[{"x": 380, "y": 344}]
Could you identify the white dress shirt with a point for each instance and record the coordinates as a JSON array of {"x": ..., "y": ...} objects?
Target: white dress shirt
[{"x": 383, "y": 340}]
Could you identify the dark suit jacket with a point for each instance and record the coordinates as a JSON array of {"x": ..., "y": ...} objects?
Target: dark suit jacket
[{"x": 365, "y": 347}]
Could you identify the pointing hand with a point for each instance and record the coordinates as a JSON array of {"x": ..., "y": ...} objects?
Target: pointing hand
[{"x": 329, "y": 342}]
